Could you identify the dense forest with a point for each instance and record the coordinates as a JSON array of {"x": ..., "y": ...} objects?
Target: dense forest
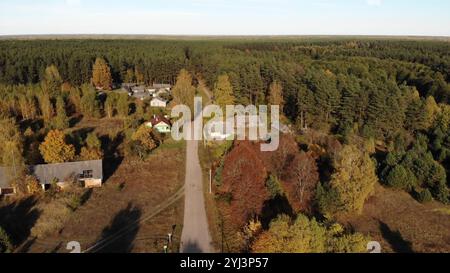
[{"x": 381, "y": 103}]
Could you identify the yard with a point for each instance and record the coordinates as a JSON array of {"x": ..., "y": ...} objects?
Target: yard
[
  {"x": 401, "y": 224},
  {"x": 138, "y": 205}
]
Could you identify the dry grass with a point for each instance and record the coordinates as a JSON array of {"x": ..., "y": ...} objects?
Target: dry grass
[
  {"x": 401, "y": 224},
  {"x": 134, "y": 190},
  {"x": 53, "y": 216},
  {"x": 104, "y": 126}
]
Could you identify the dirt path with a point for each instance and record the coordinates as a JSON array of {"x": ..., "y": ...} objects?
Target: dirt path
[{"x": 195, "y": 237}]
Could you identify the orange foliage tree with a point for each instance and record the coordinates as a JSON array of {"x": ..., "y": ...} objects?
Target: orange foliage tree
[{"x": 54, "y": 149}]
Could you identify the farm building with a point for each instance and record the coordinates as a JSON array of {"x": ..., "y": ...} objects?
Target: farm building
[{"x": 88, "y": 173}]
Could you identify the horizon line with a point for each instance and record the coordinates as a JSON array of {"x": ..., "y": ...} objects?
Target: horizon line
[{"x": 94, "y": 35}]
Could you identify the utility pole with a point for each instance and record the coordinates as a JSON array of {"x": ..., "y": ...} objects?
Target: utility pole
[{"x": 210, "y": 181}]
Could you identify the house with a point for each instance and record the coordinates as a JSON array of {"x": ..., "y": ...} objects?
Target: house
[
  {"x": 158, "y": 102},
  {"x": 162, "y": 92},
  {"x": 139, "y": 92},
  {"x": 160, "y": 124},
  {"x": 88, "y": 173},
  {"x": 141, "y": 95},
  {"x": 167, "y": 87},
  {"x": 138, "y": 89}
]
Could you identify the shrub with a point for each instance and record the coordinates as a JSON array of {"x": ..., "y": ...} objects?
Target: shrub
[
  {"x": 274, "y": 186},
  {"x": 425, "y": 196},
  {"x": 401, "y": 178},
  {"x": 5, "y": 242}
]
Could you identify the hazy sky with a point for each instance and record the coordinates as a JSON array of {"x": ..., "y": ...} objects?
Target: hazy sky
[{"x": 226, "y": 17}]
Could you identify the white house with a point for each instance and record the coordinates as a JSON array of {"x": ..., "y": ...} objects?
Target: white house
[
  {"x": 161, "y": 124},
  {"x": 158, "y": 102}
]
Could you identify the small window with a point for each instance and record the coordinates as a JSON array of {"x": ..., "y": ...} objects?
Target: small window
[{"x": 88, "y": 174}]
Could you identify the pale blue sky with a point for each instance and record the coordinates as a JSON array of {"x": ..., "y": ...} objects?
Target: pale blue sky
[{"x": 226, "y": 17}]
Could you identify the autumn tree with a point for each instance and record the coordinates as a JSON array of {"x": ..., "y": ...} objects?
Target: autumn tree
[
  {"x": 139, "y": 75},
  {"x": 184, "y": 91},
  {"x": 286, "y": 151},
  {"x": 61, "y": 121},
  {"x": 276, "y": 95},
  {"x": 11, "y": 148},
  {"x": 144, "y": 135},
  {"x": 129, "y": 76},
  {"x": 75, "y": 99},
  {"x": 101, "y": 75},
  {"x": 352, "y": 182},
  {"x": 142, "y": 142},
  {"x": 52, "y": 80},
  {"x": 54, "y": 149},
  {"x": 27, "y": 103},
  {"x": 223, "y": 92},
  {"x": 89, "y": 104},
  {"x": 46, "y": 107},
  {"x": 123, "y": 108},
  {"x": 93, "y": 148},
  {"x": 304, "y": 235},
  {"x": 244, "y": 179},
  {"x": 301, "y": 182},
  {"x": 110, "y": 105}
]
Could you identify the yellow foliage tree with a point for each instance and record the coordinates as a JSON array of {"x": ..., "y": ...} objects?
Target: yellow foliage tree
[
  {"x": 101, "y": 75},
  {"x": 432, "y": 111},
  {"x": 93, "y": 149},
  {"x": 32, "y": 184},
  {"x": 276, "y": 95},
  {"x": 223, "y": 92},
  {"x": 354, "y": 179},
  {"x": 54, "y": 149},
  {"x": 145, "y": 136},
  {"x": 306, "y": 235},
  {"x": 184, "y": 91}
]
